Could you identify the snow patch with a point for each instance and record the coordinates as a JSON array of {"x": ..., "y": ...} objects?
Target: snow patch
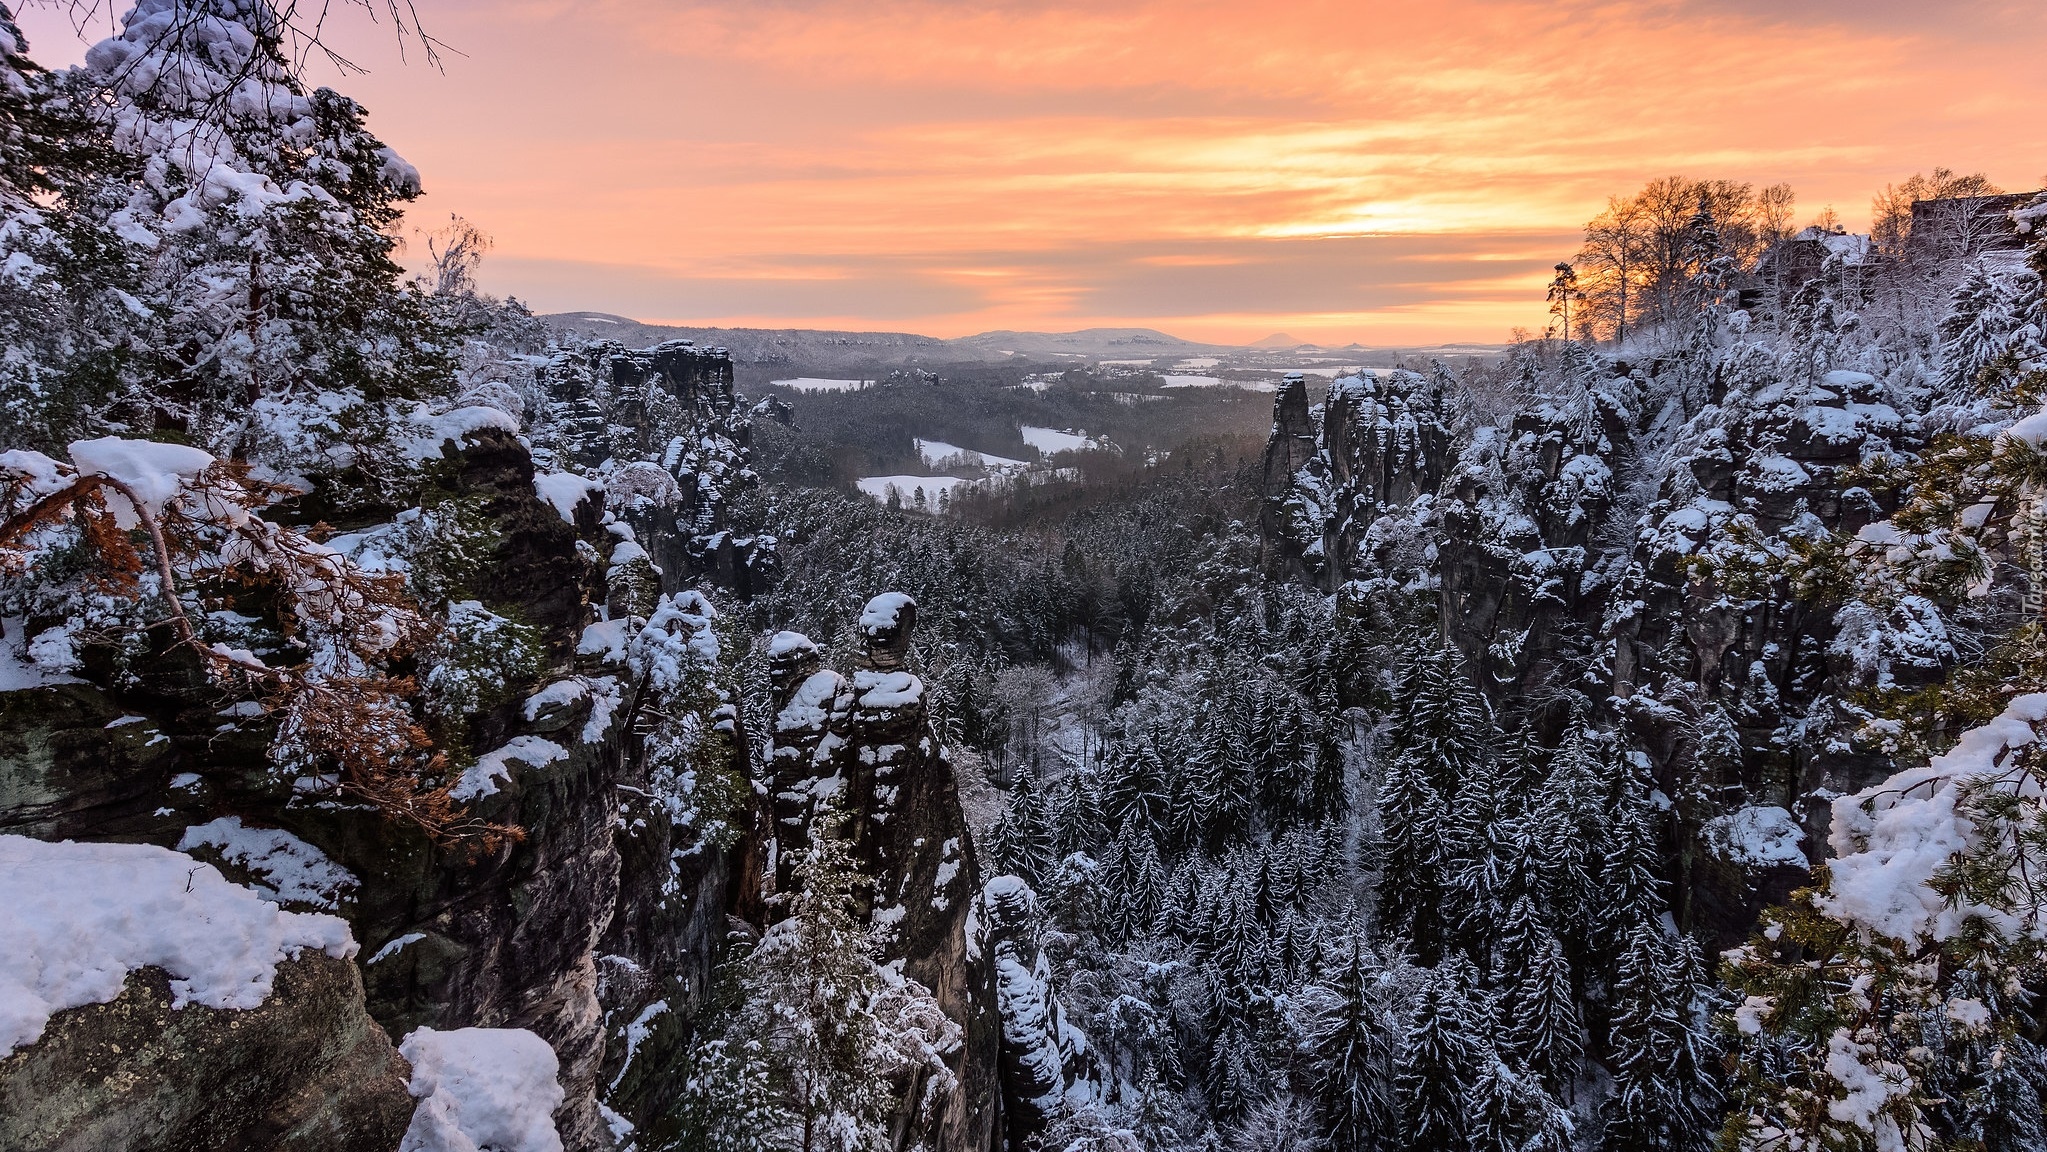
[
  {"x": 18, "y": 670},
  {"x": 565, "y": 490},
  {"x": 435, "y": 430},
  {"x": 395, "y": 947},
  {"x": 153, "y": 470},
  {"x": 482, "y": 777},
  {"x": 76, "y": 919},
  {"x": 482, "y": 1088},
  {"x": 291, "y": 870},
  {"x": 1891, "y": 839},
  {"x": 818, "y": 384},
  {"x": 905, "y": 487},
  {"x": 1758, "y": 837},
  {"x": 885, "y": 611}
]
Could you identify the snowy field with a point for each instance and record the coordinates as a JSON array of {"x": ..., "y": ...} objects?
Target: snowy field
[
  {"x": 933, "y": 451},
  {"x": 1329, "y": 372},
  {"x": 1218, "y": 382},
  {"x": 1050, "y": 440},
  {"x": 819, "y": 384},
  {"x": 878, "y": 486},
  {"x": 1198, "y": 362}
]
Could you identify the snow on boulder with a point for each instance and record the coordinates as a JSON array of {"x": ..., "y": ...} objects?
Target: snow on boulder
[
  {"x": 884, "y": 612},
  {"x": 289, "y": 870},
  {"x": 2029, "y": 431},
  {"x": 481, "y": 778},
  {"x": 155, "y": 471},
  {"x": 1892, "y": 838},
  {"x": 482, "y": 1088},
  {"x": 1757, "y": 837},
  {"x": 437, "y": 429},
  {"x": 564, "y": 490},
  {"x": 887, "y": 690},
  {"x": 785, "y": 644},
  {"x": 76, "y": 919}
]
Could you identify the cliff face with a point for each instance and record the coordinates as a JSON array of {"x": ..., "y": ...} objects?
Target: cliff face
[
  {"x": 865, "y": 744},
  {"x": 1047, "y": 1063},
  {"x": 664, "y": 428},
  {"x": 1614, "y": 539},
  {"x": 603, "y": 727},
  {"x": 1380, "y": 444}
]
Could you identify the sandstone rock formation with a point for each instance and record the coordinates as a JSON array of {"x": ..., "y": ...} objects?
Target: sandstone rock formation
[
  {"x": 867, "y": 744},
  {"x": 1602, "y": 543},
  {"x": 308, "y": 1071}
]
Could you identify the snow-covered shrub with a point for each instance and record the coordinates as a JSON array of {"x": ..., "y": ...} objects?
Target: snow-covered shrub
[
  {"x": 1886, "y": 1005},
  {"x": 449, "y": 548},
  {"x": 477, "y": 661}
]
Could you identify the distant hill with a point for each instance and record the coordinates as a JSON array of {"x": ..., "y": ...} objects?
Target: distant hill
[
  {"x": 825, "y": 350},
  {"x": 1090, "y": 343},
  {"x": 804, "y": 347},
  {"x": 820, "y": 348}
]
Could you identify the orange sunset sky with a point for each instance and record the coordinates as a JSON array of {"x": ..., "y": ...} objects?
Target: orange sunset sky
[{"x": 1391, "y": 173}]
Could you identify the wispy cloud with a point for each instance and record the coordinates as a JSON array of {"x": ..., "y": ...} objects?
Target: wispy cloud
[{"x": 1378, "y": 171}]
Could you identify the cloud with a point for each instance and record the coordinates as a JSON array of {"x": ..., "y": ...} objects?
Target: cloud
[{"x": 948, "y": 163}]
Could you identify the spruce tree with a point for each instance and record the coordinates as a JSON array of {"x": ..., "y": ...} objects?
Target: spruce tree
[
  {"x": 1135, "y": 789},
  {"x": 274, "y": 322},
  {"x": 1988, "y": 318},
  {"x": 1328, "y": 794},
  {"x": 1076, "y": 818},
  {"x": 1629, "y": 893},
  {"x": 806, "y": 987},
  {"x": 1564, "y": 832},
  {"x": 1544, "y": 1033},
  {"x": 1021, "y": 842},
  {"x": 1663, "y": 1094},
  {"x": 1440, "y": 1061},
  {"x": 1153, "y": 1123},
  {"x": 1412, "y": 857},
  {"x": 1352, "y": 1048}
]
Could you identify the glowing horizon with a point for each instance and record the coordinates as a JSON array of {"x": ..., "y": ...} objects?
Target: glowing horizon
[{"x": 1386, "y": 173}]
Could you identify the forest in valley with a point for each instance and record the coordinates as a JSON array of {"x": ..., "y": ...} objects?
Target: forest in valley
[{"x": 1624, "y": 742}]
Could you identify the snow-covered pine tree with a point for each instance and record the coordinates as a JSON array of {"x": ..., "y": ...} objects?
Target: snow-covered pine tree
[
  {"x": 1157, "y": 1110},
  {"x": 1413, "y": 862},
  {"x": 1544, "y": 1033},
  {"x": 1442, "y": 1056},
  {"x": 271, "y": 319},
  {"x": 1992, "y": 326},
  {"x": 1442, "y": 741},
  {"x": 807, "y": 987},
  {"x": 1021, "y": 842},
  {"x": 1076, "y": 821},
  {"x": 1664, "y": 1095},
  {"x": 1628, "y": 893},
  {"x": 727, "y": 1103},
  {"x": 1566, "y": 829},
  {"x": 1352, "y": 1049},
  {"x": 64, "y": 297},
  {"x": 1327, "y": 795},
  {"x": 1820, "y": 321},
  {"x": 1507, "y": 1112},
  {"x": 1491, "y": 877},
  {"x": 1134, "y": 788}
]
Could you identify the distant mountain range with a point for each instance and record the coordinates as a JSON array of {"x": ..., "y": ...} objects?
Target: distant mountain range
[{"x": 820, "y": 349}]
